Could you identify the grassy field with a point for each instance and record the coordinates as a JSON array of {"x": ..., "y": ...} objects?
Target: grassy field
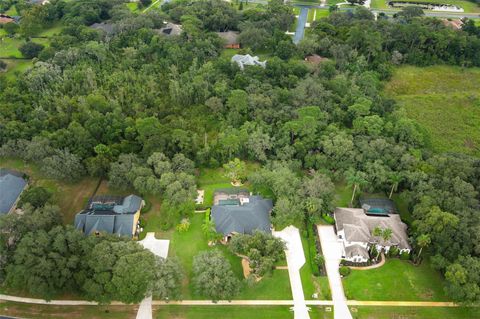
[
  {"x": 379, "y": 4},
  {"x": 396, "y": 280},
  {"x": 14, "y": 66},
  {"x": 445, "y": 101},
  {"x": 316, "y": 14},
  {"x": 22, "y": 310},
  {"x": 414, "y": 313},
  {"x": 70, "y": 197},
  {"x": 234, "y": 312}
]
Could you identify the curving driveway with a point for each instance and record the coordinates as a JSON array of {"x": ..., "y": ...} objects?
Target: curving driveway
[{"x": 332, "y": 251}]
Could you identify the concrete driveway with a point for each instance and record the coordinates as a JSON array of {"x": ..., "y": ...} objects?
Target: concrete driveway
[
  {"x": 295, "y": 261},
  {"x": 332, "y": 252},
  {"x": 157, "y": 246}
]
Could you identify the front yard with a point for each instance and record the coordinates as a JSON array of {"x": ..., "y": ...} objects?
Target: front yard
[
  {"x": 413, "y": 313},
  {"x": 396, "y": 280}
]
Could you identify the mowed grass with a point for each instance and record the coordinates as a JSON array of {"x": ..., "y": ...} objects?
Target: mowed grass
[
  {"x": 414, "y": 313},
  {"x": 23, "y": 310},
  {"x": 316, "y": 14},
  {"x": 233, "y": 312},
  {"x": 14, "y": 67},
  {"x": 445, "y": 101},
  {"x": 10, "y": 47},
  {"x": 185, "y": 246},
  {"x": 379, "y": 4},
  {"x": 70, "y": 197},
  {"x": 397, "y": 280}
]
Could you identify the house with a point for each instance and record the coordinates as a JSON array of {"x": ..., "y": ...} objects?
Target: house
[
  {"x": 230, "y": 39},
  {"x": 355, "y": 228},
  {"x": 111, "y": 214},
  {"x": 315, "y": 59},
  {"x": 247, "y": 59},
  {"x": 170, "y": 29},
  {"x": 104, "y": 27},
  {"x": 12, "y": 184},
  {"x": 455, "y": 24},
  {"x": 4, "y": 19},
  {"x": 238, "y": 212}
]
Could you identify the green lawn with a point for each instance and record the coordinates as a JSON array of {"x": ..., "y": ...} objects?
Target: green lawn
[
  {"x": 445, "y": 101},
  {"x": 71, "y": 198},
  {"x": 14, "y": 66},
  {"x": 343, "y": 195},
  {"x": 316, "y": 14},
  {"x": 133, "y": 6},
  {"x": 233, "y": 312},
  {"x": 53, "y": 30},
  {"x": 188, "y": 244},
  {"x": 396, "y": 280},
  {"x": 12, "y": 11},
  {"x": 379, "y": 4},
  {"x": 66, "y": 312},
  {"x": 9, "y": 48},
  {"x": 414, "y": 313}
]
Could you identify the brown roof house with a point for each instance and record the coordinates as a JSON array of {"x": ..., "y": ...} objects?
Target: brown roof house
[
  {"x": 170, "y": 29},
  {"x": 4, "y": 19},
  {"x": 230, "y": 39},
  {"x": 355, "y": 228},
  {"x": 315, "y": 59}
]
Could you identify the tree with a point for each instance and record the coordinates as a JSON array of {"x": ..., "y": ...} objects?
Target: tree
[
  {"x": 287, "y": 212},
  {"x": 31, "y": 49},
  {"x": 235, "y": 170},
  {"x": 119, "y": 175},
  {"x": 422, "y": 242},
  {"x": 146, "y": 3},
  {"x": 168, "y": 279},
  {"x": 11, "y": 28},
  {"x": 355, "y": 179},
  {"x": 213, "y": 276},
  {"x": 63, "y": 166},
  {"x": 463, "y": 280},
  {"x": 37, "y": 196},
  {"x": 411, "y": 12},
  {"x": 395, "y": 179}
]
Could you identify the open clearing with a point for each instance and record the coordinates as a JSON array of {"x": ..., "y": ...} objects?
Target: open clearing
[
  {"x": 413, "y": 313},
  {"x": 445, "y": 101},
  {"x": 396, "y": 280}
]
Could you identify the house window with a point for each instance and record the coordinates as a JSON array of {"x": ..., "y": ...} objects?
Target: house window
[{"x": 340, "y": 236}]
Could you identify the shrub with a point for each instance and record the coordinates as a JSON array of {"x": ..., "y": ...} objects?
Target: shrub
[
  {"x": 147, "y": 207},
  {"x": 404, "y": 256},
  {"x": 327, "y": 218},
  {"x": 30, "y": 49},
  {"x": 393, "y": 252},
  {"x": 37, "y": 196},
  {"x": 184, "y": 225},
  {"x": 345, "y": 271},
  {"x": 319, "y": 260},
  {"x": 3, "y": 65}
]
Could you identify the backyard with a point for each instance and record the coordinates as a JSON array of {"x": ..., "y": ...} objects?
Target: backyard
[
  {"x": 396, "y": 280},
  {"x": 413, "y": 313},
  {"x": 444, "y": 101}
]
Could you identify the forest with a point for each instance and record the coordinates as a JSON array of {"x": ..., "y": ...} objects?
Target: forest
[{"x": 143, "y": 111}]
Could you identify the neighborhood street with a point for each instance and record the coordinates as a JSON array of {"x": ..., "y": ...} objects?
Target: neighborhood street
[
  {"x": 332, "y": 252},
  {"x": 302, "y": 20}
]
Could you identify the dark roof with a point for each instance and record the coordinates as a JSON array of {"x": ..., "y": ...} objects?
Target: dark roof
[
  {"x": 108, "y": 28},
  {"x": 244, "y": 219},
  {"x": 11, "y": 186},
  {"x": 110, "y": 214},
  {"x": 378, "y": 206},
  {"x": 232, "y": 191},
  {"x": 356, "y": 250}
]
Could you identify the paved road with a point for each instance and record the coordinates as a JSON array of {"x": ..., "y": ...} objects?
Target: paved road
[
  {"x": 295, "y": 260},
  {"x": 332, "y": 251},
  {"x": 302, "y": 19}
]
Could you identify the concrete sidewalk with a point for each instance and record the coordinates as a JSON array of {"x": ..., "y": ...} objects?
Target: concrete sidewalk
[
  {"x": 332, "y": 251},
  {"x": 295, "y": 260}
]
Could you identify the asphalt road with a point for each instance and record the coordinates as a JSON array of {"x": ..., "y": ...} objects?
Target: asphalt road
[{"x": 302, "y": 19}]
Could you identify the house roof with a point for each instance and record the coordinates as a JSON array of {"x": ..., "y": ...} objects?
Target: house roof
[
  {"x": 315, "y": 59},
  {"x": 230, "y": 37},
  {"x": 247, "y": 59},
  {"x": 110, "y": 214},
  {"x": 356, "y": 250},
  {"x": 170, "y": 29},
  {"x": 244, "y": 219},
  {"x": 107, "y": 28},
  {"x": 6, "y": 19},
  {"x": 11, "y": 186},
  {"x": 358, "y": 227}
]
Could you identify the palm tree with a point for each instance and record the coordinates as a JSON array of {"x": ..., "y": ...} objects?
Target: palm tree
[
  {"x": 377, "y": 232},
  {"x": 387, "y": 234},
  {"x": 423, "y": 241},
  {"x": 395, "y": 179},
  {"x": 355, "y": 179}
]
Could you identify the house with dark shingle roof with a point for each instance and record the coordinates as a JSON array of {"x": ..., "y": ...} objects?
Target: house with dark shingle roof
[
  {"x": 111, "y": 214},
  {"x": 12, "y": 184},
  {"x": 239, "y": 212},
  {"x": 355, "y": 228}
]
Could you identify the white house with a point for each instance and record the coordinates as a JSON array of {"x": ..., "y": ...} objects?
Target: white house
[
  {"x": 355, "y": 228},
  {"x": 247, "y": 59}
]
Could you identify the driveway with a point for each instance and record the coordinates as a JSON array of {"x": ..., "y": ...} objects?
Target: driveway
[
  {"x": 302, "y": 20},
  {"x": 158, "y": 247},
  {"x": 295, "y": 261},
  {"x": 332, "y": 251},
  {"x": 145, "y": 310}
]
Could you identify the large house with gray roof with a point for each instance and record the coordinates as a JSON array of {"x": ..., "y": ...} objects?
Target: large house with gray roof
[
  {"x": 355, "y": 228},
  {"x": 12, "y": 184},
  {"x": 236, "y": 211},
  {"x": 111, "y": 214}
]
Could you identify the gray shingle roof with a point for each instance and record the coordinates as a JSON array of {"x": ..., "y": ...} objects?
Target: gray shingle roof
[
  {"x": 244, "y": 219},
  {"x": 359, "y": 227},
  {"x": 356, "y": 250},
  {"x": 11, "y": 186},
  {"x": 247, "y": 59},
  {"x": 110, "y": 217}
]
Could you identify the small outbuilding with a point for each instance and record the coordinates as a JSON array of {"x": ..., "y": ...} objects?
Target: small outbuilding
[
  {"x": 247, "y": 59},
  {"x": 230, "y": 39}
]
